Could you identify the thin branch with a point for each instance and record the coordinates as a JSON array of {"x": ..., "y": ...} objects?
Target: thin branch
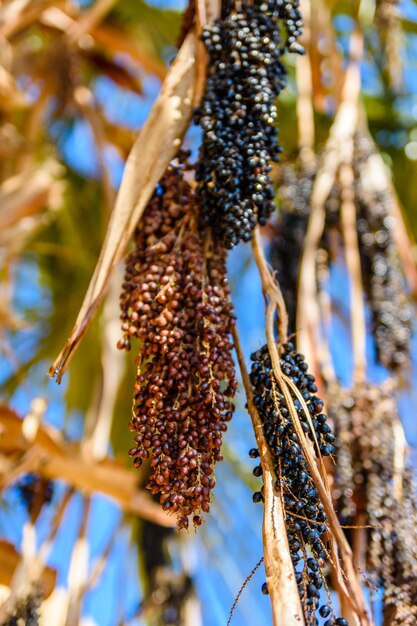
[
  {"x": 12, "y": 471},
  {"x": 84, "y": 99},
  {"x": 15, "y": 16},
  {"x": 327, "y": 370},
  {"x": 243, "y": 587},
  {"x": 108, "y": 37},
  {"x": 269, "y": 286},
  {"x": 353, "y": 263},
  {"x": 400, "y": 448},
  {"x": 101, "y": 562},
  {"x": 78, "y": 569}
]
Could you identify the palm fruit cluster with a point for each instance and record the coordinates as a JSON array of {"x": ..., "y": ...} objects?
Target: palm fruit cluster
[
  {"x": 388, "y": 24},
  {"x": 238, "y": 116},
  {"x": 371, "y": 488},
  {"x": 305, "y": 517},
  {"x": 34, "y": 492},
  {"x": 25, "y": 612},
  {"x": 295, "y": 186},
  {"x": 400, "y": 582},
  {"x": 364, "y": 421},
  {"x": 175, "y": 301},
  {"x": 383, "y": 277}
]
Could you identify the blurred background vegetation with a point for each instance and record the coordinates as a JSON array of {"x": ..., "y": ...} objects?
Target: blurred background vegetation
[{"x": 77, "y": 80}]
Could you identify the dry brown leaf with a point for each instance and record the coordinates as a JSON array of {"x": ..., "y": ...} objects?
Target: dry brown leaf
[
  {"x": 353, "y": 264},
  {"x": 109, "y": 37},
  {"x": 59, "y": 459},
  {"x": 15, "y": 16},
  {"x": 88, "y": 19},
  {"x": 342, "y": 130},
  {"x": 29, "y": 194},
  {"x": 114, "y": 71},
  {"x": 158, "y": 142},
  {"x": 9, "y": 561}
]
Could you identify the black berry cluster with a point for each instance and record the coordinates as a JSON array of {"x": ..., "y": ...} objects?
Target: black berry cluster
[
  {"x": 35, "y": 491},
  {"x": 294, "y": 193},
  {"x": 175, "y": 301},
  {"x": 370, "y": 488},
  {"x": 238, "y": 116},
  {"x": 382, "y": 274},
  {"x": 304, "y": 513},
  {"x": 25, "y": 612},
  {"x": 286, "y": 11}
]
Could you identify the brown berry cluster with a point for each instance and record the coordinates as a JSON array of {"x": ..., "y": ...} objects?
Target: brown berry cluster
[
  {"x": 294, "y": 192},
  {"x": 371, "y": 487},
  {"x": 305, "y": 517},
  {"x": 175, "y": 301}
]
